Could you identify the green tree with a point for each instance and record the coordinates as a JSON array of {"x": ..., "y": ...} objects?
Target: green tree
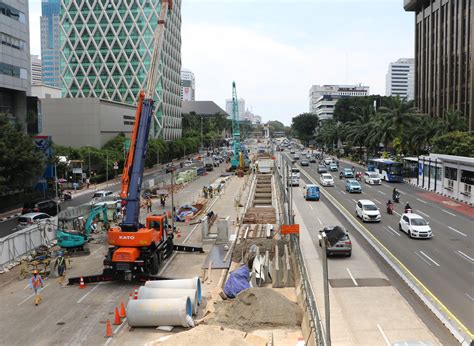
[
  {"x": 275, "y": 126},
  {"x": 454, "y": 121},
  {"x": 20, "y": 161},
  {"x": 357, "y": 130},
  {"x": 421, "y": 136},
  {"x": 304, "y": 126},
  {"x": 454, "y": 143},
  {"x": 331, "y": 133}
]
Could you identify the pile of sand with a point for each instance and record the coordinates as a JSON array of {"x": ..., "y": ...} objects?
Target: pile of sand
[
  {"x": 212, "y": 336},
  {"x": 244, "y": 248},
  {"x": 257, "y": 308}
]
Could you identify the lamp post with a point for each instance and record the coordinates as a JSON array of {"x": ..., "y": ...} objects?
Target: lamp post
[
  {"x": 89, "y": 147},
  {"x": 56, "y": 187},
  {"x": 323, "y": 239}
]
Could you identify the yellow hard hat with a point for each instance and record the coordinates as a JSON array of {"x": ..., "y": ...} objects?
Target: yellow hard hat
[{"x": 35, "y": 271}]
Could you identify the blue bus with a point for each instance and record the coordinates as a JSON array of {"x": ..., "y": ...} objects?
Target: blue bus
[{"x": 389, "y": 170}]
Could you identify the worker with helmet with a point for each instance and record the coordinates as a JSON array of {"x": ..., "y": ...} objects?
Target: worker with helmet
[
  {"x": 61, "y": 265},
  {"x": 36, "y": 284}
]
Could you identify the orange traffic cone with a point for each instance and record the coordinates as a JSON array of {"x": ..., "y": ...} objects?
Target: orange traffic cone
[
  {"x": 81, "y": 283},
  {"x": 122, "y": 314},
  {"x": 135, "y": 293},
  {"x": 108, "y": 329},
  {"x": 117, "y": 320}
]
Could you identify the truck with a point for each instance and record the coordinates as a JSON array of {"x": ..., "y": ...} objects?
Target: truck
[{"x": 208, "y": 162}]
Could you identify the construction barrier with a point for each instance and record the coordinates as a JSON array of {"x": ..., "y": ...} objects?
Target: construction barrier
[{"x": 22, "y": 242}]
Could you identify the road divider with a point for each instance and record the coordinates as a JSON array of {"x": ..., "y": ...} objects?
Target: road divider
[{"x": 455, "y": 326}]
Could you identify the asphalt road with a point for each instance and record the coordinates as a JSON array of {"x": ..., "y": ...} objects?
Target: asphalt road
[
  {"x": 9, "y": 226},
  {"x": 444, "y": 264}
]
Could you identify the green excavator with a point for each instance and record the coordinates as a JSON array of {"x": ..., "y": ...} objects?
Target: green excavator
[{"x": 73, "y": 233}]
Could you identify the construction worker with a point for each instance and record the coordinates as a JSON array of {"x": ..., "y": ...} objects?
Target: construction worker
[
  {"x": 148, "y": 205},
  {"x": 163, "y": 201},
  {"x": 61, "y": 264},
  {"x": 36, "y": 284}
]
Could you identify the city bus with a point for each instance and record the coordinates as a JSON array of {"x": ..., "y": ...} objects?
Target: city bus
[{"x": 389, "y": 170}]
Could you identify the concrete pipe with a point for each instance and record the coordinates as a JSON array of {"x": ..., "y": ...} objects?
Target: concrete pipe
[
  {"x": 194, "y": 283},
  {"x": 161, "y": 293},
  {"x": 159, "y": 312}
]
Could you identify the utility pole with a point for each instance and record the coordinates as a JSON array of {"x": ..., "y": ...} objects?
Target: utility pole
[
  {"x": 89, "y": 147},
  {"x": 326, "y": 288},
  {"x": 172, "y": 198},
  {"x": 107, "y": 171},
  {"x": 56, "y": 187}
]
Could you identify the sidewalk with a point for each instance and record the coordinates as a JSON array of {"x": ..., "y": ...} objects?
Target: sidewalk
[{"x": 365, "y": 308}]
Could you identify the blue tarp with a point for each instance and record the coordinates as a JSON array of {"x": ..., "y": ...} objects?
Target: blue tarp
[{"x": 237, "y": 282}]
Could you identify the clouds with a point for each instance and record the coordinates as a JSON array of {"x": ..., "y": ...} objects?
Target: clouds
[{"x": 35, "y": 28}]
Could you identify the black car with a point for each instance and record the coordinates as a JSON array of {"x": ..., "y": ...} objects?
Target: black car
[
  {"x": 322, "y": 169},
  {"x": 49, "y": 207}
]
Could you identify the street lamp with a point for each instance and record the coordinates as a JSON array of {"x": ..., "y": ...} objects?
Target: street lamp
[{"x": 324, "y": 241}]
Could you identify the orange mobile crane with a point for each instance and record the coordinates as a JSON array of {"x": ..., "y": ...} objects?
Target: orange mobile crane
[{"x": 136, "y": 251}]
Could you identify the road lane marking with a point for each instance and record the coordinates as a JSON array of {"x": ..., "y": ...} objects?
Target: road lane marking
[
  {"x": 467, "y": 294},
  {"x": 455, "y": 230},
  {"x": 383, "y": 334},
  {"x": 31, "y": 296},
  {"x": 311, "y": 206},
  {"x": 343, "y": 192},
  {"x": 92, "y": 290},
  {"x": 376, "y": 200},
  {"x": 363, "y": 193},
  {"x": 394, "y": 231},
  {"x": 117, "y": 329},
  {"x": 352, "y": 277},
  {"x": 319, "y": 220},
  {"x": 432, "y": 260},
  {"x": 447, "y": 212},
  {"x": 466, "y": 256},
  {"x": 428, "y": 263},
  {"x": 397, "y": 213},
  {"x": 423, "y": 213},
  {"x": 353, "y": 200},
  {"x": 422, "y": 201},
  {"x": 381, "y": 192}
]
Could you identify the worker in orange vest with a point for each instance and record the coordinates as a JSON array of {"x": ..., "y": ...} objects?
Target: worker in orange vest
[{"x": 36, "y": 284}]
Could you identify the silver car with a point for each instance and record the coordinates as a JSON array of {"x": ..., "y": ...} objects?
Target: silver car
[{"x": 338, "y": 240}]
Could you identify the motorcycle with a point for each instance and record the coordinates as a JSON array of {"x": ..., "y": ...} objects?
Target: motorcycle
[
  {"x": 390, "y": 208},
  {"x": 358, "y": 176},
  {"x": 408, "y": 210},
  {"x": 67, "y": 196},
  {"x": 341, "y": 175},
  {"x": 396, "y": 198}
]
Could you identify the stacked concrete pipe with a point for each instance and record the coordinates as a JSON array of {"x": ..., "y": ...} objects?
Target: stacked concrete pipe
[{"x": 164, "y": 293}]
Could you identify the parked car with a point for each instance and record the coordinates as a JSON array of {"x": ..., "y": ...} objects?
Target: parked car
[
  {"x": 32, "y": 218},
  {"x": 333, "y": 167},
  {"x": 322, "y": 169},
  {"x": 339, "y": 242},
  {"x": 415, "y": 226},
  {"x": 372, "y": 178},
  {"x": 304, "y": 163},
  {"x": 326, "y": 179},
  {"x": 368, "y": 211},
  {"x": 353, "y": 186},
  {"x": 49, "y": 207},
  {"x": 348, "y": 173}
]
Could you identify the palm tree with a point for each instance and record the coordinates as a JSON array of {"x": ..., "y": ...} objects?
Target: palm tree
[
  {"x": 421, "y": 136},
  {"x": 454, "y": 121},
  {"x": 397, "y": 119},
  {"x": 357, "y": 129}
]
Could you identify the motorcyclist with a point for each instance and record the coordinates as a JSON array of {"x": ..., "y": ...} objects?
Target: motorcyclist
[
  {"x": 395, "y": 194},
  {"x": 389, "y": 207},
  {"x": 407, "y": 208},
  {"x": 341, "y": 175},
  {"x": 353, "y": 169}
]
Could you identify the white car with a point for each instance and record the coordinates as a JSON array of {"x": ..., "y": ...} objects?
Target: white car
[
  {"x": 32, "y": 218},
  {"x": 326, "y": 179},
  {"x": 415, "y": 226},
  {"x": 368, "y": 211},
  {"x": 372, "y": 178}
]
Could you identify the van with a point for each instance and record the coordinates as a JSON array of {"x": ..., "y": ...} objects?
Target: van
[
  {"x": 49, "y": 207},
  {"x": 311, "y": 192}
]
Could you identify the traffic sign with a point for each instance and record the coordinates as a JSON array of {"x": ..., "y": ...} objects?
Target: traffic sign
[{"x": 127, "y": 143}]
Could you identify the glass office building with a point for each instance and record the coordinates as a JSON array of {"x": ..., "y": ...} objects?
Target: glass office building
[
  {"x": 106, "y": 49},
  {"x": 50, "y": 57}
]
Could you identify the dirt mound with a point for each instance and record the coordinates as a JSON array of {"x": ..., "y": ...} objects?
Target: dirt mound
[
  {"x": 245, "y": 248},
  {"x": 212, "y": 336},
  {"x": 257, "y": 308}
]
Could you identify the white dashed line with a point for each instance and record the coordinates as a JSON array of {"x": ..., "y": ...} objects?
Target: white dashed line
[
  {"x": 428, "y": 263},
  {"x": 381, "y": 192},
  {"x": 467, "y": 295},
  {"x": 422, "y": 201},
  {"x": 394, "y": 231},
  {"x": 423, "y": 213},
  {"x": 383, "y": 335},
  {"x": 459, "y": 232},
  {"x": 353, "y": 200},
  {"x": 466, "y": 256},
  {"x": 343, "y": 192},
  {"x": 92, "y": 290},
  {"x": 319, "y": 220},
  {"x": 432, "y": 260},
  {"x": 397, "y": 213},
  {"x": 447, "y": 212},
  {"x": 311, "y": 206},
  {"x": 376, "y": 200},
  {"x": 352, "y": 277}
]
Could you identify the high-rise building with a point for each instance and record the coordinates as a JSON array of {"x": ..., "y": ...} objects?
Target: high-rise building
[
  {"x": 14, "y": 59},
  {"x": 50, "y": 56},
  {"x": 188, "y": 85},
  {"x": 400, "y": 79},
  {"x": 36, "y": 70},
  {"x": 240, "y": 105},
  {"x": 323, "y": 98},
  {"x": 106, "y": 52},
  {"x": 443, "y": 56}
]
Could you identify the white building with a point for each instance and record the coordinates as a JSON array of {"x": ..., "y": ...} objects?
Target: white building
[
  {"x": 43, "y": 91},
  {"x": 400, "y": 79},
  {"x": 36, "y": 70},
  {"x": 241, "y": 106},
  {"x": 106, "y": 50},
  {"x": 188, "y": 85},
  {"x": 323, "y": 98}
]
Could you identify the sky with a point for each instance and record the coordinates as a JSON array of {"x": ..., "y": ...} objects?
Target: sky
[{"x": 276, "y": 49}]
